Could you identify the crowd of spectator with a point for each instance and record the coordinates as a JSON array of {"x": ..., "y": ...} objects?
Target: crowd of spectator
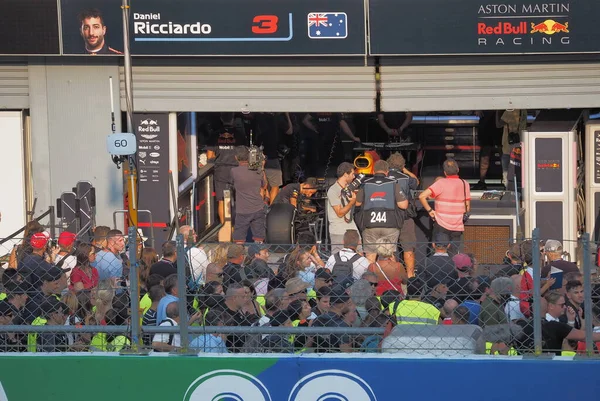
[{"x": 87, "y": 284}]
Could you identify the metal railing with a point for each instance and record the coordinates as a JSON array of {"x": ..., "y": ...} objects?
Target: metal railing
[{"x": 230, "y": 305}]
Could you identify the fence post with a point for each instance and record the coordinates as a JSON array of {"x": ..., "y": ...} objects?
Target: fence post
[
  {"x": 587, "y": 294},
  {"x": 182, "y": 290},
  {"x": 537, "y": 293},
  {"x": 134, "y": 289}
]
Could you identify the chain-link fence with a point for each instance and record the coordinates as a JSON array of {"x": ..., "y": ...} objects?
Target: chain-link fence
[{"x": 435, "y": 299}]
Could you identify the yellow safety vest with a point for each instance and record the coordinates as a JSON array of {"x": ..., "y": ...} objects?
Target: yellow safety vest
[
  {"x": 415, "y": 312},
  {"x": 312, "y": 294},
  {"x": 3, "y": 296},
  {"x": 32, "y": 337},
  {"x": 99, "y": 343},
  {"x": 568, "y": 353},
  {"x": 119, "y": 342},
  {"x": 488, "y": 350},
  {"x": 145, "y": 305},
  {"x": 260, "y": 299}
]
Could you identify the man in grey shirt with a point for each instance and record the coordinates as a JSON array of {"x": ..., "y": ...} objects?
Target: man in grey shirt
[
  {"x": 249, "y": 188},
  {"x": 339, "y": 211}
]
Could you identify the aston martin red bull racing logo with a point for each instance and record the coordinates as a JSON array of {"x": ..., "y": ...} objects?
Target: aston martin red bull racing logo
[{"x": 550, "y": 27}]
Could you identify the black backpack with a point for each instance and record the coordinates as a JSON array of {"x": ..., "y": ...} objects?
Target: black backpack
[{"x": 343, "y": 268}]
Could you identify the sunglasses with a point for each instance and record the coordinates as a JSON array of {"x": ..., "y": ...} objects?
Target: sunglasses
[
  {"x": 373, "y": 284},
  {"x": 303, "y": 292}
]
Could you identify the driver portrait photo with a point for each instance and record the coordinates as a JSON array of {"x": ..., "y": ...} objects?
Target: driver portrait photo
[{"x": 93, "y": 32}]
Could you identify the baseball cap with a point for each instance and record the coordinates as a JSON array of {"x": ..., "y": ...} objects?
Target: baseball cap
[
  {"x": 235, "y": 251},
  {"x": 338, "y": 295},
  {"x": 462, "y": 262},
  {"x": 502, "y": 286},
  {"x": 253, "y": 249},
  {"x": 66, "y": 238},
  {"x": 295, "y": 285},
  {"x": 39, "y": 240},
  {"x": 51, "y": 305},
  {"x": 53, "y": 273},
  {"x": 323, "y": 274},
  {"x": 441, "y": 239},
  {"x": 6, "y": 308},
  {"x": 553, "y": 245},
  {"x": 346, "y": 282}
]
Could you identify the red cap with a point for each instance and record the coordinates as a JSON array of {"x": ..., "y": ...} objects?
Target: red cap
[
  {"x": 66, "y": 238},
  {"x": 39, "y": 240}
]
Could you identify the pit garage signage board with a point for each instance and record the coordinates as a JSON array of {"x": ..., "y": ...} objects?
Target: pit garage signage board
[
  {"x": 438, "y": 27},
  {"x": 217, "y": 27},
  {"x": 29, "y": 27},
  {"x": 152, "y": 132}
]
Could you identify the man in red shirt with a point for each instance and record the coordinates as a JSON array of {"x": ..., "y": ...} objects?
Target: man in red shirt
[{"x": 452, "y": 198}]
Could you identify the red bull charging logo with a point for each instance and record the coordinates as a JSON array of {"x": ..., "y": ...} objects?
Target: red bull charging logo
[{"x": 550, "y": 27}]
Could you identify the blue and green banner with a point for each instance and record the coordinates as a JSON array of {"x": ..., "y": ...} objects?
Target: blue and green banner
[{"x": 298, "y": 378}]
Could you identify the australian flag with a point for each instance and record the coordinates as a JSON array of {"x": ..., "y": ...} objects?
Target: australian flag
[{"x": 328, "y": 25}]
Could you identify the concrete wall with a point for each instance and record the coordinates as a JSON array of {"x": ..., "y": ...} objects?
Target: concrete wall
[{"x": 70, "y": 119}]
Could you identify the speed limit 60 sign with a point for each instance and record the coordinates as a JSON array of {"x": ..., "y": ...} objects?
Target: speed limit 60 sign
[{"x": 122, "y": 144}]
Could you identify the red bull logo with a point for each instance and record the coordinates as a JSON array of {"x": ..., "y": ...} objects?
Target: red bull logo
[{"x": 550, "y": 27}]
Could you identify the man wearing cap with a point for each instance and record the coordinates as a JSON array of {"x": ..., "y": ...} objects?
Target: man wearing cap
[
  {"x": 460, "y": 285},
  {"x": 53, "y": 282},
  {"x": 108, "y": 261},
  {"x": 258, "y": 268},
  {"x": 296, "y": 289},
  {"x": 323, "y": 279},
  {"x": 66, "y": 241},
  {"x": 492, "y": 307},
  {"x": 53, "y": 313},
  {"x": 168, "y": 264},
  {"x": 231, "y": 270},
  {"x": 8, "y": 341},
  {"x": 33, "y": 265},
  {"x": 291, "y": 193},
  {"x": 340, "y": 303},
  {"x": 17, "y": 297},
  {"x": 439, "y": 267},
  {"x": 553, "y": 250}
]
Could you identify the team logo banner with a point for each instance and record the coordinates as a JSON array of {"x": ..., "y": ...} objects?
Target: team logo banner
[
  {"x": 216, "y": 27},
  {"x": 434, "y": 27}
]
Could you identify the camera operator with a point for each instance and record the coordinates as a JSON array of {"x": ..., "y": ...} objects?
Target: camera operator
[
  {"x": 222, "y": 145},
  {"x": 267, "y": 129},
  {"x": 291, "y": 193},
  {"x": 381, "y": 217},
  {"x": 250, "y": 188},
  {"x": 340, "y": 208}
]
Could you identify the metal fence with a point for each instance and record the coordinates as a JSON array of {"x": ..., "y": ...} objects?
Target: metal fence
[{"x": 481, "y": 297}]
